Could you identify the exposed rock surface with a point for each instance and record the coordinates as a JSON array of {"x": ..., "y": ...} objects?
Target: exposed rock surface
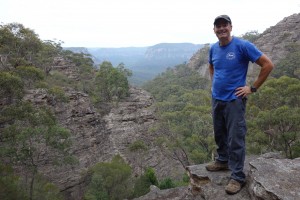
[
  {"x": 128, "y": 122},
  {"x": 272, "y": 178},
  {"x": 268, "y": 178},
  {"x": 180, "y": 193},
  {"x": 98, "y": 138},
  {"x": 273, "y": 41}
]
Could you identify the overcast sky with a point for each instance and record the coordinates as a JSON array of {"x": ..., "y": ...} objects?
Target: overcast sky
[{"x": 139, "y": 23}]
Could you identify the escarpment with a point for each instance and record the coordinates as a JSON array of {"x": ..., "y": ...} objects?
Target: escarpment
[{"x": 97, "y": 137}]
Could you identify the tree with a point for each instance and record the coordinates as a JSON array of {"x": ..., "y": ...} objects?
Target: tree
[
  {"x": 274, "y": 117},
  {"x": 112, "y": 83},
  {"x": 143, "y": 183},
  {"x": 11, "y": 88},
  {"x": 289, "y": 65},
  {"x": 139, "y": 149},
  {"x": 251, "y": 35},
  {"x": 31, "y": 134},
  {"x": 29, "y": 75},
  {"x": 166, "y": 184},
  {"x": 10, "y": 187},
  {"x": 110, "y": 180},
  {"x": 184, "y": 112},
  {"x": 19, "y": 45},
  {"x": 45, "y": 57}
]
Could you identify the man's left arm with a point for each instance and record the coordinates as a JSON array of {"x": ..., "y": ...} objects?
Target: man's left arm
[{"x": 266, "y": 67}]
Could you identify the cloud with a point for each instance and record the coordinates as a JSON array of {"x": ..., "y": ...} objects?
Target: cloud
[{"x": 120, "y": 23}]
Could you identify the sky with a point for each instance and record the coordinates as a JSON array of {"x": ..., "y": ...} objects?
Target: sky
[{"x": 140, "y": 23}]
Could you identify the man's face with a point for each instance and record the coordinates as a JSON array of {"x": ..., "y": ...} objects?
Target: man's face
[{"x": 222, "y": 29}]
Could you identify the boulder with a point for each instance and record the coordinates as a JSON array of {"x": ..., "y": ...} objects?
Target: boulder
[{"x": 269, "y": 177}]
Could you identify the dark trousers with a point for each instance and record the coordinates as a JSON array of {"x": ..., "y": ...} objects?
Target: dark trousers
[{"x": 230, "y": 132}]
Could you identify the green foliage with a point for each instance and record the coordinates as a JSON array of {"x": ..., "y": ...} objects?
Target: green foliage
[
  {"x": 45, "y": 190},
  {"x": 46, "y": 55},
  {"x": 137, "y": 146},
  {"x": 150, "y": 174},
  {"x": 11, "y": 87},
  {"x": 184, "y": 110},
  {"x": 79, "y": 59},
  {"x": 139, "y": 149},
  {"x": 289, "y": 65},
  {"x": 56, "y": 78},
  {"x": 166, "y": 184},
  {"x": 112, "y": 83},
  {"x": 274, "y": 123},
  {"x": 29, "y": 75},
  {"x": 176, "y": 82},
  {"x": 143, "y": 183},
  {"x": 86, "y": 71},
  {"x": 58, "y": 94},
  {"x": 31, "y": 132},
  {"x": 19, "y": 44},
  {"x": 110, "y": 181},
  {"x": 10, "y": 187},
  {"x": 251, "y": 36}
]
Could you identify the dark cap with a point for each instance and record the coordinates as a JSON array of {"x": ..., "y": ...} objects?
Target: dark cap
[{"x": 226, "y": 17}]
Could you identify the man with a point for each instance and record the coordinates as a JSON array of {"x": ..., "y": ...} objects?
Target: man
[{"x": 228, "y": 66}]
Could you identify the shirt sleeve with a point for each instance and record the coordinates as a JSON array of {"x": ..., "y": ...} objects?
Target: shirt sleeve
[{"x": 252, "y": 51}]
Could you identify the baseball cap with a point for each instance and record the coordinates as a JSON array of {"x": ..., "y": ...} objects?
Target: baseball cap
[{"x": 226, "y": 17}]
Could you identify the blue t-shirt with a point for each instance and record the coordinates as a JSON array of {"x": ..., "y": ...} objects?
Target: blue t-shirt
[{"x": 230, "y": 64}]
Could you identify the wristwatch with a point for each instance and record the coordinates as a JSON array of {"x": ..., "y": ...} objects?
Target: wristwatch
[{"x": 253, "y": 89}]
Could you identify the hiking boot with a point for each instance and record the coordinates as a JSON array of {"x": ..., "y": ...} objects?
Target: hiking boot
[
  {"x": 233, "y": 187},
  {"x": 216, "y": 166}
]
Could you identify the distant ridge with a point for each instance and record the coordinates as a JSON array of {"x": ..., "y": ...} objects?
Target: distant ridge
[{"x": 145, "y": 62}]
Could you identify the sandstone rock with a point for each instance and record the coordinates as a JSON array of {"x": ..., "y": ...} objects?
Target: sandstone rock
[
  {"x": 268, "y": 178},
  {"x": 211, "y": 185},
  {"x": 98, "y": 138},
  {"x": 271, "y": 178},
  {"x": 180, "y": 193}
]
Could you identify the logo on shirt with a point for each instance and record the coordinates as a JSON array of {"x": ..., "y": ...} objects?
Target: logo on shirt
[{"x": 230, "y": 56}]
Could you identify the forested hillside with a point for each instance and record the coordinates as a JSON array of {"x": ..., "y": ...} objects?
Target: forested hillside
[
  {"x": 39, "y": 83},
  {"x": 70, "y": 130}
]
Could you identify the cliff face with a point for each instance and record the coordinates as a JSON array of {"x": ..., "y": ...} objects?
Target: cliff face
[
  {"x": 272, "y": 42},
  {"x": 98, "y": 138},
  {"x": 169, "y": 51}
]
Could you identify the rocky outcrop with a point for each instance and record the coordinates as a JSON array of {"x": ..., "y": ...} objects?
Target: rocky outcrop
[
  {"x": 98, "y": 138},
  {"x": 178, "y": 193},
  {"x": 129, "y": 122},
  {"x": 90, "y": 141},
  {"x": 269, "y": 177},
  {"x": 273, "y": 40}
]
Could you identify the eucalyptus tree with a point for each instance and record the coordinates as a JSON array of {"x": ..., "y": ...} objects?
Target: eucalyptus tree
[
  {"x": 274, "y": 117},
  {"x": 18, "y": 45},
  {"x": 111, "y": 83}
]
